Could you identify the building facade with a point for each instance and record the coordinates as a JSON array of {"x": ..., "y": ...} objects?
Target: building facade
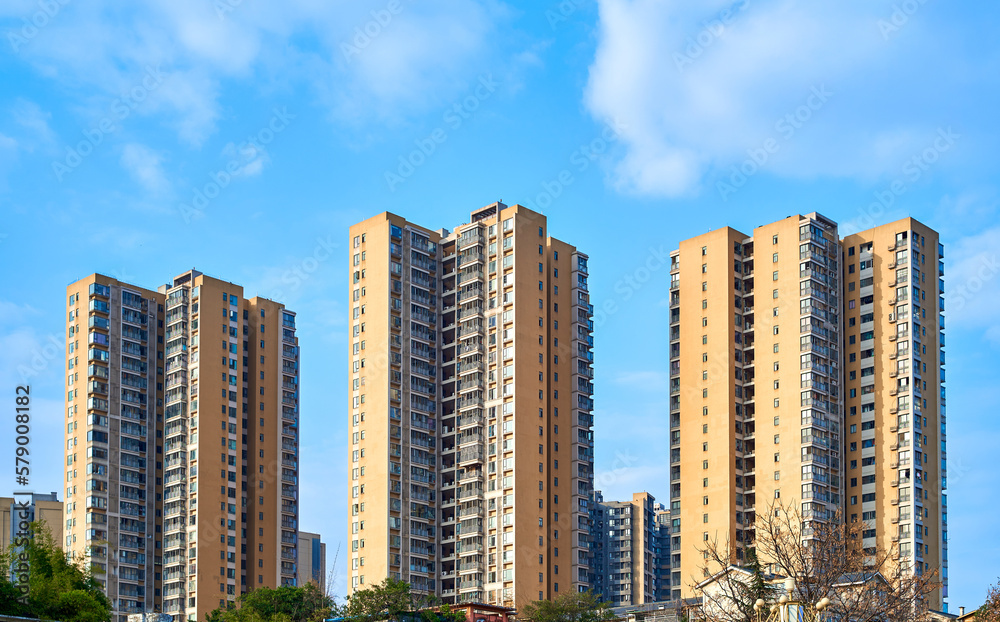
[
  {"x": 312, "y": 560},
  {"x": 45, "y": 508},
  {"x": 771, "y": 356},
  {"x": 463, "y": 346},
  {"x": 896, "y": 475},
  {"x": 627, "y": 558},
  {"x": 114, "y": 410},
  {"x": 171, "y": 380},
  {"x": 663, "y": 568}
]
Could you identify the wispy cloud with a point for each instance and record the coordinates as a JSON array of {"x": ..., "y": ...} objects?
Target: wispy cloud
[
  {"x": 145, "y": 166},
  {"x": 405, "y": 62},
  {"x": 8, "y": 158},
  {"x": 250, "y": 159},
  {"x": 972, "y": 292},
  {"x": 35, "y": 123},
  {"x": 698, "y": 86}
]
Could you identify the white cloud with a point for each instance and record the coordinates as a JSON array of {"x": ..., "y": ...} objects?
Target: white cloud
[
  {"x": 405, "y": 63},
  {"x": 8, "y": 158},
  {"x": 35, "y": 122},
  {"x": 696, "y": 88},
  {"x": 12, "y": 313},
  {"x": 145, "y": 166},
  {"x": 248, "y": 159}
]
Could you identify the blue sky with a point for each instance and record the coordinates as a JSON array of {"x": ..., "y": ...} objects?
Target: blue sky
[{"x": 141, "y": 140}]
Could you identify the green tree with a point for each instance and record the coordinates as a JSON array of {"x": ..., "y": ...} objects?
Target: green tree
[
  {"x": 283, "y": 604},
  {"x": 444, "y": 613},
  {"x": 387, "y": 600},
  {"x": 58, "y": 589},
  {"x": 567, "y": 607},
  {"x": 757, "y": 588}
]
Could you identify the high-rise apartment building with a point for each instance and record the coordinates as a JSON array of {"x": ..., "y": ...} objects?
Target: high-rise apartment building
[
  {"x": 465, "y": 345},
  {"x": 777, "y": 342},
  {"x": 896, "y": 471},
  {"x": 182, "y": 442},
  {"x": 627, "y": 540},
  {"x": 114, "y": 444}
]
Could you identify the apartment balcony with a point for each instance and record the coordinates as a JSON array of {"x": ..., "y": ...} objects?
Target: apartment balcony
[
  {"x": 469, "y": 401},
  {"x": 465, "y": 367},
  {"x": 177, "y": 298},
  {"x": 470, "y": 455}
]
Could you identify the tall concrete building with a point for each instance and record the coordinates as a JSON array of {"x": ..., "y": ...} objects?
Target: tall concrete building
[
  {"x": 172, "y": 380},
  {"x": 114, "y": 444},
  {"x": 768, "y": 337},
  {"x": 896, "y": 474},
  {"x": 463, "y": 346},
  {"x": 626, "y": 560},
  {"x": 45, "y": 508}
]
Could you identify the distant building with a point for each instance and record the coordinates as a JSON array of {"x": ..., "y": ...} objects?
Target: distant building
[
  {"x": 662, "y": 551},
  {"x": 627, "y": 550},
  {"x": 312, "y": 560},
  {"x": 42, "y": 507}
]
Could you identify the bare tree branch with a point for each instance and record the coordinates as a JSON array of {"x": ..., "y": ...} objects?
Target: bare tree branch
[{"x": 826, "y": 559}]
